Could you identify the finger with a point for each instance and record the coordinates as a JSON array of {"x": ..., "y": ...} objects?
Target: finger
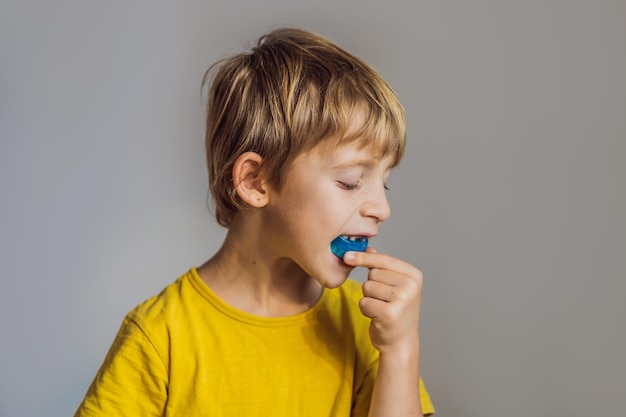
[
  {"x": 371, "y": 307},
  {"x": 387, "y": 277},
  {"x": 379, "y": 290},
  {"x": 378, "y": 260}
]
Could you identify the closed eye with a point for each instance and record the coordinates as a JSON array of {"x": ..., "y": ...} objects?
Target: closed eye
[{"x": 348, "y": 186}]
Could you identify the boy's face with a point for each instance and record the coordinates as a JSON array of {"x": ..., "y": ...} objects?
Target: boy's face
[{"x": 327, "y": 193}]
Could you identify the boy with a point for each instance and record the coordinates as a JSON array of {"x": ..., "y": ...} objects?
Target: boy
[{"x": 300, "y": 139}]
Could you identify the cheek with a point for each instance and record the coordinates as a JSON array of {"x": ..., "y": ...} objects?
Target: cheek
[
  {"x": 315, "y": 221},
  {"x": 314, "y": 211}
]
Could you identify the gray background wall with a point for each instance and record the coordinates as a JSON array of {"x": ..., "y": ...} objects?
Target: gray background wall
[{"x": 511, "y": 198}]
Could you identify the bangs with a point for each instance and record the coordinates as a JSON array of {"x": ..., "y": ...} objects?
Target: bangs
[
  {"x": 372, "y": 116},
  {"x": 380, "y": 130}
]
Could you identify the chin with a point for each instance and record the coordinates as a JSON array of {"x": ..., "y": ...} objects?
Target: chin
[
  {"x": 334, "y": 279},
  {"x": 331, "y": 272},
  {"x": 334, "y": 284}
]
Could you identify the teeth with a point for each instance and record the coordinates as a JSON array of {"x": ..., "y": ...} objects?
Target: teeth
[{"x": 352, "y": 238}]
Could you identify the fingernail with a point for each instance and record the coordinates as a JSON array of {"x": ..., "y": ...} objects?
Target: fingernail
[{"x": 349, "y": 256}]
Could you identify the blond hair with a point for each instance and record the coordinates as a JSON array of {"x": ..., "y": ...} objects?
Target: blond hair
[{"x": 293, "y": 90}]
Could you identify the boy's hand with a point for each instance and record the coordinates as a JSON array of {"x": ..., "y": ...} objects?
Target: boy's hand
[{"x": 391, "y": 299}]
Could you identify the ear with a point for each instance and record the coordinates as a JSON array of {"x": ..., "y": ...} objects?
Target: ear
[{"x": 249, "y": 181}]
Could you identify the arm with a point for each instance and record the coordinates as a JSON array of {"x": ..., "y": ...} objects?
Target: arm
[
  {"x": 391, "y": 300},
  {"x": 396, "y": 391},
  {"x": 132, "y": 381}
]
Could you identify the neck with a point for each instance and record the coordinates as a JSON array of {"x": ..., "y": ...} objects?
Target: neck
[{"x": 248, "y": 276}]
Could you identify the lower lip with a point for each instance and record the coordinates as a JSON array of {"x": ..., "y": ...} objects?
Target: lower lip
[{"x": 340, "y": 261}]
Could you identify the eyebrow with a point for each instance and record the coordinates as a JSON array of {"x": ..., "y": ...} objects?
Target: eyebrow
[{"x": 364, "y": 162}]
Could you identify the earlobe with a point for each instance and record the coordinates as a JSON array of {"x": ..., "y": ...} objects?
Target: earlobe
[{"x": 249, "y": 181}]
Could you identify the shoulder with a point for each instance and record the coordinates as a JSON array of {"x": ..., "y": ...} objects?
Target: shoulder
[
  {"x": 343, "y": 303},
  {"x": 163, "y": 317},
  {"x": 159, "y": 305},
  {"x": 346, "y": 296},
  {"x": 158, "y": 313}
]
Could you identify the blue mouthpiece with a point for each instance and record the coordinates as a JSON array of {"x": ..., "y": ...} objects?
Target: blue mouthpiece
[{"x": 341, "y": 245}]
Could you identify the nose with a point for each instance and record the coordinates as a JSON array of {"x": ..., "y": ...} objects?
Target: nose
[{"x": 377, "y": 205}]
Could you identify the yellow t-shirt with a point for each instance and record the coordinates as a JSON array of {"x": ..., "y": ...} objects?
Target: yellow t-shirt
[{"x": 187, "y": 353}]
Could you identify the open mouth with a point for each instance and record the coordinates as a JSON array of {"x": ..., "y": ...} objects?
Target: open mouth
[{"x": 344, "y": 243}]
